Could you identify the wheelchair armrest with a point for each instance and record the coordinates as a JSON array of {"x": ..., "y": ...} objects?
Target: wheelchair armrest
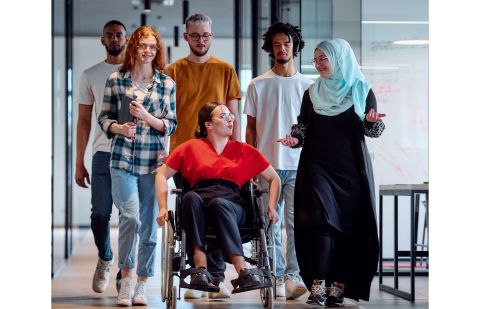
[
  {"x": 176, "y": 191},
  {"x": 258, "y": 193}
]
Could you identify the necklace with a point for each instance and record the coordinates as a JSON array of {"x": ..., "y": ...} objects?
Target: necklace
[{"x": 142, "y": 86}]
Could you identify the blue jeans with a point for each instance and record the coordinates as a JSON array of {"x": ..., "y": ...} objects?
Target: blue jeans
[
  {"x": 285, "y": 212},
  {"x": 101, "y": 204},
  {"x": 134, "y": 197}
]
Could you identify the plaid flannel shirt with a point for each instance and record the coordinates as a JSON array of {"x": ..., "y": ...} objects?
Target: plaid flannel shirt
[{"x": 144, "y": 153}]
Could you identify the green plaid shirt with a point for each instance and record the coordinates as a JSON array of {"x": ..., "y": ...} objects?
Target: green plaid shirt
[{"x": 146, "y": 152}]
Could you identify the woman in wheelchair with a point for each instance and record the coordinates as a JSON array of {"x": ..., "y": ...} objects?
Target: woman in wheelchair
[{"x": 215, "y": 168}]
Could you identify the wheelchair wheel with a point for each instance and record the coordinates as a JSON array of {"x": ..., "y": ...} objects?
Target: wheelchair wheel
[
  {"x": 172, "y": 298},
  {"x": 167, "y": 261},
  {"x": 266, "y": 296}
]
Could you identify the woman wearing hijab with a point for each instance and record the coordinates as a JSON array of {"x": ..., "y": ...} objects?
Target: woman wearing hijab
[{"x": 335, "y": 226}]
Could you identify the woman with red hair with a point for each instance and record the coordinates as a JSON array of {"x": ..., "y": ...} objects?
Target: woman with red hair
[{"x": 138, "y": 111}]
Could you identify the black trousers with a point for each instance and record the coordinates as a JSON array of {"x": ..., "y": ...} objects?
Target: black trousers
[
  {"x": 324, "y": 253},
  {"x": 214, "y": 204}
]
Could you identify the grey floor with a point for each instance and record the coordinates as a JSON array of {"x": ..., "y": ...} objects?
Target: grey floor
[{"x": 71, "y": 288}]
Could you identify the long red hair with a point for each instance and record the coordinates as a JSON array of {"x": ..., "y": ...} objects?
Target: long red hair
[{"x": 159, "y": 62}]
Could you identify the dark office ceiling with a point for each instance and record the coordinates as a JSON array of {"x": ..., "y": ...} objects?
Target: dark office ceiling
[{"x": 89, "y": 16}]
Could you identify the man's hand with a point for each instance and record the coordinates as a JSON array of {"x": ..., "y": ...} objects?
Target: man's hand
[{"x": 81, "y": 174}]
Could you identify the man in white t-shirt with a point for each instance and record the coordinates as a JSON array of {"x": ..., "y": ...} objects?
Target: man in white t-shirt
[
  {"x": 91, "y": 90},
  {"x": 272, "y": 105}
]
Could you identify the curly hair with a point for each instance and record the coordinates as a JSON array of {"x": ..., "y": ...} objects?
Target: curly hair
[
  {"x": 159, "y": 62},
  {"x": 288, "y": 29}
]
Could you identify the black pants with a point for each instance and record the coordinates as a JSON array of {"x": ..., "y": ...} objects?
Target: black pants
[
  {"x": 324, "y": 253},
  {"x": 204, "y": 209}
]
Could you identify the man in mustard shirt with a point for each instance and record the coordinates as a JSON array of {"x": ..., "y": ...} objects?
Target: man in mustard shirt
[{"x": 202, "y": 78}]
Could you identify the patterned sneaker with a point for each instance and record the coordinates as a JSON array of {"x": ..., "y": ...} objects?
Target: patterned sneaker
[
  {"x": 224, "y": 292},
  {"x": 102, "y": 275},
  {"x": 124, "y": 297},
  {"x": 140, "y": 294},
  {"x": 335, "y": 295},
  {"x": 318, "y": 295},
  {"x": 194, "y": 294},
  {"x": 294, "y": 287}
]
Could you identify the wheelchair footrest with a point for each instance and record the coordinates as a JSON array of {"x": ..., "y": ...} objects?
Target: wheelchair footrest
[
  {"x": 204, "y": 288},
  {"x": 267, "y": 281}
]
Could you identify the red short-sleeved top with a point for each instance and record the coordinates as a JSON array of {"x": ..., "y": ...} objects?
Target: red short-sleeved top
[{"x": 197, "y": 160}]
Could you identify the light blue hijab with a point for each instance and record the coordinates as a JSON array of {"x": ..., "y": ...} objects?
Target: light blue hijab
[{"x": 345, "y": 87}]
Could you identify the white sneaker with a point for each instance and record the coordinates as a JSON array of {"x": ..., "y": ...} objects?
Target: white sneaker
[
  {"x": 194, "y": 294},
  {"x": 280, "y": 287},
  {"x": 140, "y": 294},
  {"x": 102, "y": 275},
  {"x": 124, "y": 297},
  {"x": 294, "y": 287},
  {"x": 223, "y": 293}
]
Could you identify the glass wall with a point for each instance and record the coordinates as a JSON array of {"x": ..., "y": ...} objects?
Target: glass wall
[
  {"x": 395, "y": 60},
  {"x": 59, "y": 131}
]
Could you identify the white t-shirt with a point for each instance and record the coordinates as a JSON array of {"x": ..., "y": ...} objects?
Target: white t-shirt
[
  {"x": 91, "y": 91},
  {"x": 275, "y": 102}
]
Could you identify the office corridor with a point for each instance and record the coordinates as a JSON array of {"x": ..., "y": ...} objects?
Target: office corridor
[{"x": 71, "y": 288}]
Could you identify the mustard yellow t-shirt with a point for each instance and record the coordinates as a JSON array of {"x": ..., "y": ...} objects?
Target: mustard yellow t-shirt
[{"x": 197, "y": 84}]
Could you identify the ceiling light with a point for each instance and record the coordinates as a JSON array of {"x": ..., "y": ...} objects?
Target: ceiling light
[
  {"x": 148, "y": 6},
  {"x": 410, "y": 42}
]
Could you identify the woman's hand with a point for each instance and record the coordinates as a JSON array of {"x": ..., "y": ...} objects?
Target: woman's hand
[
  {"x": 289, "y": 141},
  {"x": 162, "y": 216},
  {"x": 373, "y": 116},
  {"x": 138, "y": 111},
  {"x": 128, "y": 129},
  {"x": 272, "y": 214}
]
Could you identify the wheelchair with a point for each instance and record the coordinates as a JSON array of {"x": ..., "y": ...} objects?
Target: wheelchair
[{"x": 257, "y": 231}]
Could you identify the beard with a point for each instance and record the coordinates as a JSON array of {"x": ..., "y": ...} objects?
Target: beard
[
  {"x": 197, "y": 53},
  {"x": 115, "y": 51},
  {"x": 283, "y": 61}
]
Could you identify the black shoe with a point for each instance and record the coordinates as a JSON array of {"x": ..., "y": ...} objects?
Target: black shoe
[
  {"x": 248, "y": 279},
  {"x": 318, "y": 294},
  {"x": 199, "y": 279},
  {"x": 335, "y": 296}
]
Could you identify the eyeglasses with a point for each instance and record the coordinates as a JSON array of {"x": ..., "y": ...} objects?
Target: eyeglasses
[
  {"x": 146, "y": 46},
  {"x": 227, "y": 116},
  {"x": 315, "y": 61},
  {"x": 196, "y": 37}
]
